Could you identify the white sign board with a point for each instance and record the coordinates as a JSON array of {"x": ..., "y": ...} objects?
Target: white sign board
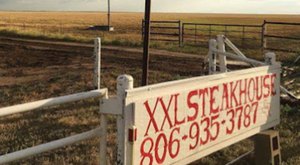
[{"x": 182, "y": 121}]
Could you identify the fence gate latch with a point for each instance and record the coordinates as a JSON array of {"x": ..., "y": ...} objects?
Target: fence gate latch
[{"x": 132, "y": 134}]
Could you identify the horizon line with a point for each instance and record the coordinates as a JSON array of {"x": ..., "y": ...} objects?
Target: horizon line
[{"x": 155, "y": 12}]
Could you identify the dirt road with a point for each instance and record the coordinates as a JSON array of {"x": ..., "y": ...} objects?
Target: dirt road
[{"x": 28, "y": 61}]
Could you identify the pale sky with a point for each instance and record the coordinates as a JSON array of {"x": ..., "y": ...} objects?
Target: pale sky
[{"x": 187, "y": 6}]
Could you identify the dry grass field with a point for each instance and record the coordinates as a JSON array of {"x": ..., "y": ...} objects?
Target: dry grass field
[
  {"x": 71, "y": 26},
  {"x": 32, "y": 72}
]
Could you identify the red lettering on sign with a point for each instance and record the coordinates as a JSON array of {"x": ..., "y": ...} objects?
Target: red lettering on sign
[
  {"x": 243, "y": 92},
  {"x": 192, "y": 106},
  {"x": 206, "y": 130},
  {"x": 242, "y": 116},
  {"x": 209, "y": 113},
  {"x": 166, "y": 108},
  {"x": 215, "y": 125},
  {"x": 160, "y": 159},
  {"x": 202, "y": 94},
  {"x": 166, "y": 111},
  {"x": 255, "y": 107},
  {"x": 267, "y": 86},
  {"x": 259, "y": 88},
  {"x": 146, "y": 154},
  {"x": 161, "y": 146},
  {"x": 194, "y": 134},
  {"x": 225, "y": 98},
  {"x": 233, "y": 98},
  {"x": 230, "y": 130},
  {"x": 273, "y": 89},
  {"x": 213, "y": 109},
  {"x": 151, "y": 115},
  {"x": 172, "y": 142},
  {"x": 251, "y": 90},
  {"x": 247, "y": 117},
  {"x": 239, "y": 112},
  {"x": 177, "y": 121}
]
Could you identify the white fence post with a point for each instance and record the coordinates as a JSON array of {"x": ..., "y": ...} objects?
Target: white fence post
[
  {"x": 103, "y": 119},
  {"x": 212, "y": 56},
  {"x": 270, "y": 58},
  {"x": 222, "y": 59},
  {"x": 103, "y": 140},
  {"x": 124, "y": 82},
  {"x": 97, "y": 69}
]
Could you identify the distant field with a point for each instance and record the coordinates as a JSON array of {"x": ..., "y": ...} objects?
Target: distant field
[{"x": 71, "y": 26}]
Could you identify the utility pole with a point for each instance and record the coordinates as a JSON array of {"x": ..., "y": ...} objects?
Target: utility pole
[
  {"x": 146, "y": 42},
  {"x": 108, "y": 13}
]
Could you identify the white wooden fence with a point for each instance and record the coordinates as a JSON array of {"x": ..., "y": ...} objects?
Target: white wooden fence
[
  {"x": 98, "y": 132},
  {"x": 153, "y": 122},
  {"x": 217, "y": 50}
]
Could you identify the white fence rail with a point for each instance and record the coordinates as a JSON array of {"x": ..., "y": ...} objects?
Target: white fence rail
[
  {"x": 215, "y": 51},
  {"x": 51, "y": 102},
  {"x": 98, "y": 132},
  {"x": 50, "y": 146}
]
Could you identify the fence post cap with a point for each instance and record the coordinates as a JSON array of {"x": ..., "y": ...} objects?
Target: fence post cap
[
  {"x": 124, "y": 82},
  {"x": 124, "y": 78},
  {"x": 212, "y": 43},
  {"x": 97, "y": 45},
  {"x": 270, "y": 58},
  {"x": 221, "y": 36},
  {"x": 97, "y": 40}
]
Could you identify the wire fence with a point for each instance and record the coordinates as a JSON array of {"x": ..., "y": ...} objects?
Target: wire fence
[
  {"x": 199, "y": 33},
  {"x": 265, "y": 36}
]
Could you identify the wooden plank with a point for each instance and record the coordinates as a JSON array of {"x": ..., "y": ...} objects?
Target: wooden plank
[
  {"x": 165, "y": 34},
  {"x": 166, "y": 40},
  {"x": 206, "y": 24},
  {"x": 282, "y": 23},
  {"x": 175, "y": 22},
  {"x": 282, "y": 50},
  {"x": 282, "y": 37},
  {"x": 164, "y": 27}
]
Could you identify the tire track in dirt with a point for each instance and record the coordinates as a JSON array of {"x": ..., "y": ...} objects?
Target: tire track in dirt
[{"x": 23, "y": 53}]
